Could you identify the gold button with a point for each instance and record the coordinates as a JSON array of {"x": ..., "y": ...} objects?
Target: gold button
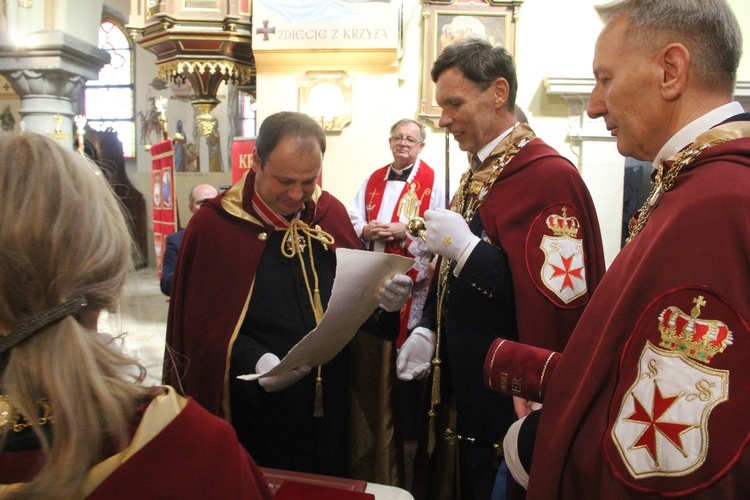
[{"x": 262, "y": 236}]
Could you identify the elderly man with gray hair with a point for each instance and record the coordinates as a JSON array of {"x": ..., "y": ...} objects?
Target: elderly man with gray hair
[{"x": 650, "y": 395}]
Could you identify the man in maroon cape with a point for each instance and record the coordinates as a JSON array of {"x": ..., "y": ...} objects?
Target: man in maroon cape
[
  {"x": 650, "y": 396},
  {"x": 520, "y": 255},
  {"x": 254, "y": 275}
]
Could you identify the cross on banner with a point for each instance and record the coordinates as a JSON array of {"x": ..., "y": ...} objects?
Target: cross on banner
[{"x": 265, "y": 30}]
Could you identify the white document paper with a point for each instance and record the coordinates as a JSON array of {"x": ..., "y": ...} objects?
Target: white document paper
[{"x": 359, "y": 275}]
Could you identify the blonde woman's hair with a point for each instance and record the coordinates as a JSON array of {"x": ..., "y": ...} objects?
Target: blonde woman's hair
[{"x": 62, "y": 234}]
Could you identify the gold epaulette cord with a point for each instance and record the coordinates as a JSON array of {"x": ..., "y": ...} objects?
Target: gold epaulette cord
[{"x": 291, "y": 246}]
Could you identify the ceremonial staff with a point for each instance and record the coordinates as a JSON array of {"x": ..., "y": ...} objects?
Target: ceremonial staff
[
  {"x": 416, "y": 225},
  {"x": 447, "y": 169}
]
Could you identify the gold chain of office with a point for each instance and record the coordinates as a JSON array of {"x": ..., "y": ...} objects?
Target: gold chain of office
[
  {"x": 10, "y": 418},
  {"x": 468, "y": 198},
  {"x": 661, "y": 186}
]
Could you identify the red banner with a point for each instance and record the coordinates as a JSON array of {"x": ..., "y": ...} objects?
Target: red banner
[
  {"x": 242, "y": 156},
  {"x": 163, "y": 199}
]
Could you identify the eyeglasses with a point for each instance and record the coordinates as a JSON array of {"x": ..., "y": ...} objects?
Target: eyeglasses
[{"x": 400, "y": 138}]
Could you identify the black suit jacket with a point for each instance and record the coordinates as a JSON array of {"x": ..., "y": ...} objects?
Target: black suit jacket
[{"x": 174, "y": 241}]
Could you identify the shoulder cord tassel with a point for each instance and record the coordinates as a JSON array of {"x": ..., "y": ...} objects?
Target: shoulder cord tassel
[{"x": 290, "y": 246}]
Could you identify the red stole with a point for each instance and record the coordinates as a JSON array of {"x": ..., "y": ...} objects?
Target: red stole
[{"x": 420, "y": 182}]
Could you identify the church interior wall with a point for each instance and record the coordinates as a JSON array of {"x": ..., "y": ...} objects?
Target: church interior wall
[
  {"x": 742, "y": 11},
  {"x": 556, "y": 39},
  {"x": 553, "y": 39},
  {"x": 9, "y": 106},
  {"x": 361, "y": 146},
  {"x": 139, "y": 169}
]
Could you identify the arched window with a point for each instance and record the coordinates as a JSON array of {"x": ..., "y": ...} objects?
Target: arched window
[
  {"x": 110, "y": 100},
  {"x": 248, "y": 106}
]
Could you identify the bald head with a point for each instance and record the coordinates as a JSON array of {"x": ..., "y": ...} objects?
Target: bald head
[{"x": 199, "y": 194}]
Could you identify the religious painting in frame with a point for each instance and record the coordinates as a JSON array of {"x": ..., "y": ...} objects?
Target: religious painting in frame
[{"x": 449, "y": 21}]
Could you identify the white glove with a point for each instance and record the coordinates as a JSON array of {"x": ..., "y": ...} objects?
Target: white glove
[
  {"x": 415, "y": 356},
  {"x": 448, "y": 234},
  {"x": 277, "y": 382},
  {"x": 395, "y": 292}
]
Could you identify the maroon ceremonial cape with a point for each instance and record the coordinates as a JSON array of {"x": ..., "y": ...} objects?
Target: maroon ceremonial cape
[
  {"x": 180, "y": 455},
  {"x": 212, "y": 285},
  {"x": 650, "y": 394},
  {"x": 169, "y": 457},
  {"x": 536, "y": 186},
  {"x": 516, "y": 218}
]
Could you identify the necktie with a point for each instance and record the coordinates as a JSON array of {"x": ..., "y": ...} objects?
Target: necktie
[{"x": 475, "y": 163}]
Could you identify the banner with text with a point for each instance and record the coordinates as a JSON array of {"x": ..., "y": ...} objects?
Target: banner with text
[
  {"x": 163, "y": 202},
  {"x": 325, "y": 24},
  {"x": 242, "y": 156}
]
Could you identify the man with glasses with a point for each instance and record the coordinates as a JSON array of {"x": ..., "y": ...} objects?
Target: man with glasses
[
  {"x": 520, "y": 256},
  {"x": 388, "y": 199},
  {"x": 650, "y": 397}
]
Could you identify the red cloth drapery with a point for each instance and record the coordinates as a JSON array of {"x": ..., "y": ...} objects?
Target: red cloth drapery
[
  {"x": 242, "y": 156},
  {"x": 163, "y": 197}
]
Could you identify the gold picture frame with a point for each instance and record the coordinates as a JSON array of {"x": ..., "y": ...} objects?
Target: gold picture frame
[{"x": 450, "y": 21}]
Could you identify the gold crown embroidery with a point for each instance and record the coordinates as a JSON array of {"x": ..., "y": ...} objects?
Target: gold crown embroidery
[
  {"x": 700, "y": 339},
  {"x": 562, "y": 225}
]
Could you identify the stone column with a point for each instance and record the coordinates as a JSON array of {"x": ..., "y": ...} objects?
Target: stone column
[{"x": 47, "y": 70}]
